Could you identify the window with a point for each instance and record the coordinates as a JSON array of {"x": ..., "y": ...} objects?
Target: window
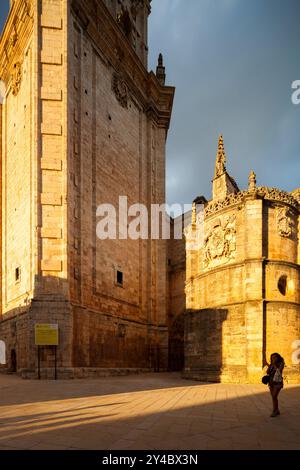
[
  {"x": 119, "y": 278},
  {"x": 282, "y": 285},
  {"x": 18, "y": 274}
]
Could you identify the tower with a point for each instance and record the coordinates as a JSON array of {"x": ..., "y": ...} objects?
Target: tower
[
  {"x": 83, "y": 122},
  {"x": 242, "y": 294}
]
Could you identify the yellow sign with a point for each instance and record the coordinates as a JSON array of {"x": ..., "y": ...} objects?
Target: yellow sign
[{"x": 46, "y": 334}]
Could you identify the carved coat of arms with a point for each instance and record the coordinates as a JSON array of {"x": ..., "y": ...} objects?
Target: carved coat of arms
[
  {"x": 284, "y": 222},
  {"x": 220, "y": 242},
  {"x": 120, "y": 89}
]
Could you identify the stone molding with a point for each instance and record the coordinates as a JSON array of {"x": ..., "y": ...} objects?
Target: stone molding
[{"x": 270, "y": 194}]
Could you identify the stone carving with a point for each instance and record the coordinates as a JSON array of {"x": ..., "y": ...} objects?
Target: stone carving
[
  {"x": 120, "y": 89},
  {"x": 271, "y": 194},
  {"x": 220, "y": 242},
  {"x": 16, "y": 78},
  {"x": 124, "y": 20},
  {"x": 252, "y": 181},
  {"x": 230, "y": 200},
  {"x": 135, "y": 6},
  {"x": 284, "y": 222},
  {"x": 13, "y": 39},
  {"x": 221, "y": 159},
  {"x": 275, "y": 194},
  {"x": 296, "y": 195}
]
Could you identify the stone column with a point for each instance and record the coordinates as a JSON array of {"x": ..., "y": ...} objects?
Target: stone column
[{"x": 254, "y": 310}]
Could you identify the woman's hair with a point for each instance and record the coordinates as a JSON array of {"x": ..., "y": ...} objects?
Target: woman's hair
[{"x": 279, "y": 359}]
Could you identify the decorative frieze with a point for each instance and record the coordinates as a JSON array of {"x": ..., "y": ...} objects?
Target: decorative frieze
[
  {"x": 220, "y": 242},
  {"x": 13, "y": 42}
]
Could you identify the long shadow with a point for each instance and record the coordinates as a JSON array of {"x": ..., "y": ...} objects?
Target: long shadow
[
  {"x": 166, "y": 419},
  {"x": 36, "y": 416},
  {"x": 47, "y": 390}
]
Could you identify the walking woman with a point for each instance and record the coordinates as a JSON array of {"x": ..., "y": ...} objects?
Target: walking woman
[{"x": 274, "y": 371}]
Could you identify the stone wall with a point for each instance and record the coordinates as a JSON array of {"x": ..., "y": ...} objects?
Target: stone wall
[
  {"x": 216, "y": 344},
  {"x": 83, "y": 123},
  {"x": 17, "y": 191},
  {"x": 176, "y": 300},
  {"x": 115, "y": 149},
  {"x": 282, "y": 330},
  {"x": 248, "y": 269}
]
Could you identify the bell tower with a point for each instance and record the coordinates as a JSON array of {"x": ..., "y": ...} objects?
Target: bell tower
[{"x": 132, "y": 18}]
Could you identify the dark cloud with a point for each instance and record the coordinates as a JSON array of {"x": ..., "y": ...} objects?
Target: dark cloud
[{"x": 232, "y": 62}]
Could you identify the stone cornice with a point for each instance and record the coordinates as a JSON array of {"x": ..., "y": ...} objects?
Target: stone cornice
[
  {"x": 97, "y": 22},
  {"x": 241, "y": 264},
  {"x": 281, "y": 262},
  {"x": 296, "y": 194},
  {"x": 270, "y": 194},
  {"x": 14, "y": 39}
]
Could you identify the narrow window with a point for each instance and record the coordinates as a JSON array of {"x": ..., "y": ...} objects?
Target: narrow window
[
  {"x": 282, "y": 285},
  {"x": 18, "y": 274}
]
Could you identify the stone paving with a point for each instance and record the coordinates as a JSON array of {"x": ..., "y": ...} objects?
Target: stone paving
[{"x": 149, "y": 411}]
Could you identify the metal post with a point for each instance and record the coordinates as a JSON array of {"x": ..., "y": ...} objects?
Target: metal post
[{"x": 39, "y": 363}]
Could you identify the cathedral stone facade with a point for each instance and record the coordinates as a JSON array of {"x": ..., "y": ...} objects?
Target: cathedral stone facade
[
  {"x": 242, "y": 281},
  {"x": 82, "y": 121}
]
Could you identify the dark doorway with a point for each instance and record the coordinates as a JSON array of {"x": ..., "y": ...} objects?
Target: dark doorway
[{"x": 13, "y": 361}]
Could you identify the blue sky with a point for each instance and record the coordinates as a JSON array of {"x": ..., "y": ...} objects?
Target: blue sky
[{"x": 232, "y": 62}]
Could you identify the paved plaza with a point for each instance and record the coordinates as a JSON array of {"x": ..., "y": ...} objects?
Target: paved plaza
[{"x": 149, "y": 411}]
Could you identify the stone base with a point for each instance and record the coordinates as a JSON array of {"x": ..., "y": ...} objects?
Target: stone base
[
  {"x": 238, "y": 375},
  {"x": 91, "y": 344},
  {"x": 80, "y": 372},
  {"x": 234, "y": 374}
]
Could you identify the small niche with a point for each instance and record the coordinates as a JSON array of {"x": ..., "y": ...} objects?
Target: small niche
[
  {"x": 283, "y": 285},
  {"x": 121, "y": 331},
  {"x": 18, "y": 274}
]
